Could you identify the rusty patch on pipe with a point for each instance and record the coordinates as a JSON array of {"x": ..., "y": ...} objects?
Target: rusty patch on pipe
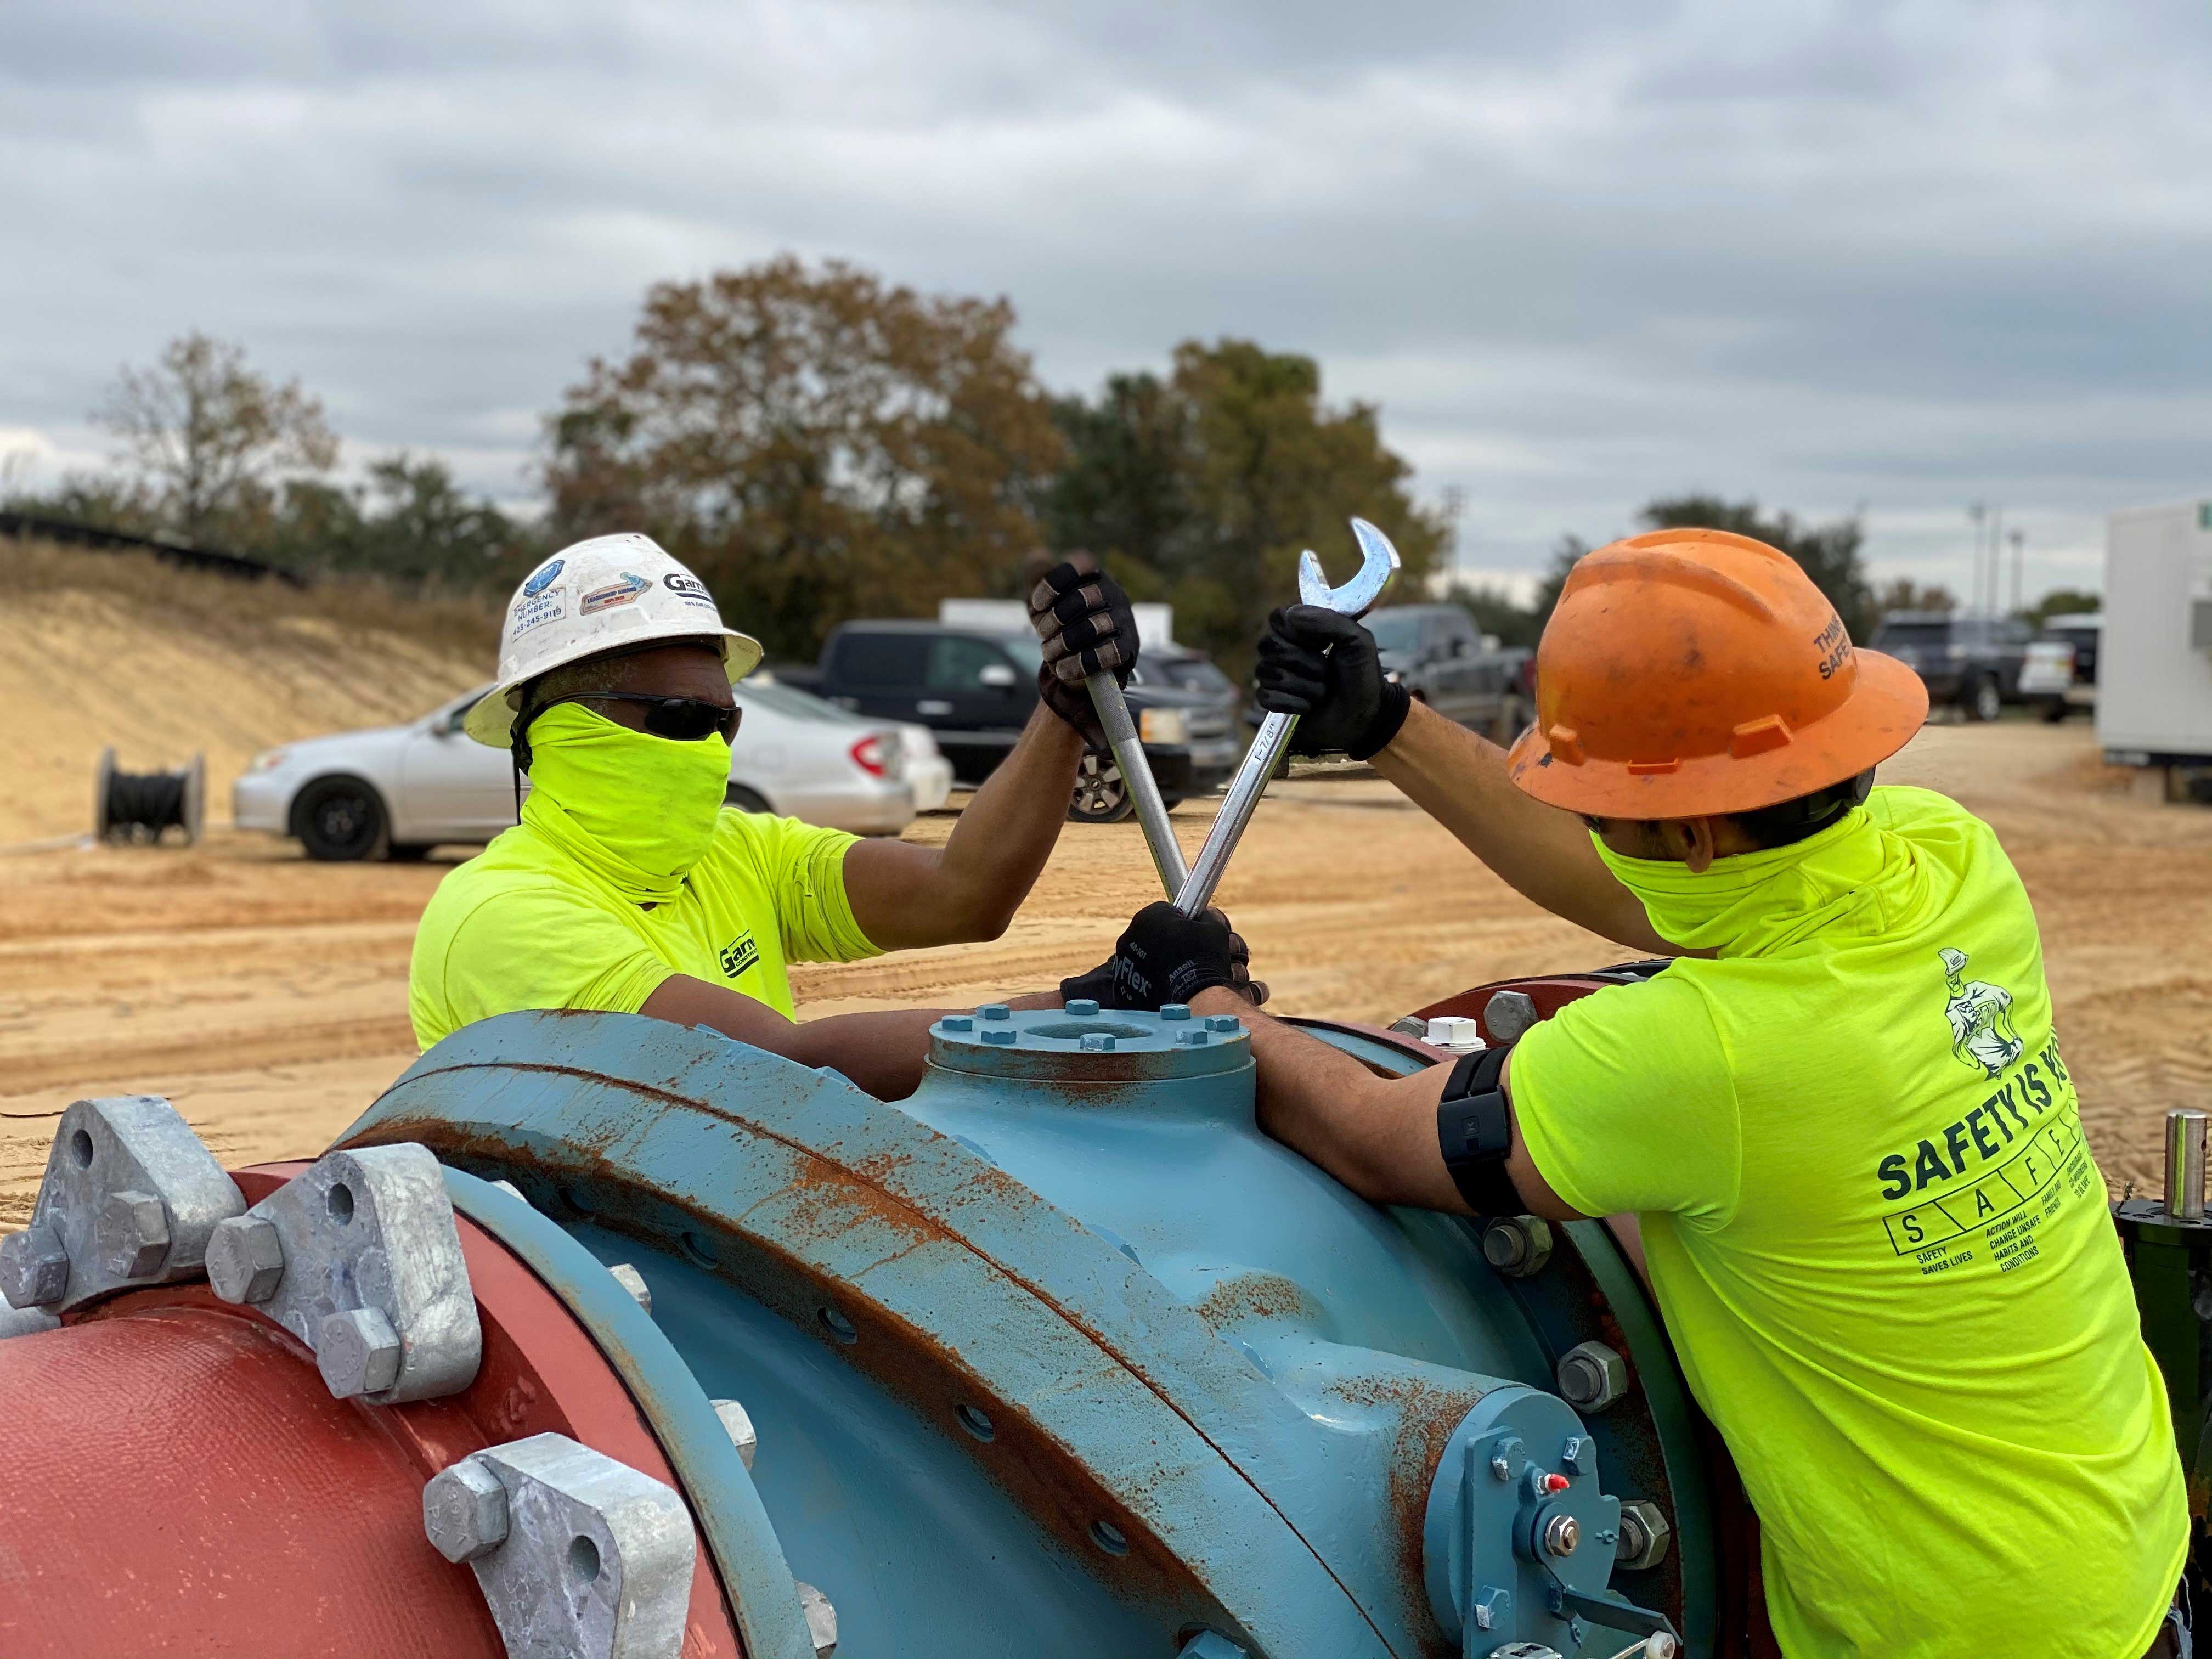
[{"x": 1253, "y": 1296}]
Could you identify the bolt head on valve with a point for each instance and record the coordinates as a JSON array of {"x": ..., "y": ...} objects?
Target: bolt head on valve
[
  {"x": 821, "y": 1619},
  {"x": 1643, "y": 1535},
  {"x": 357, "y": 1352},
  {"x": 1592, "y": 1376},
  {"x": 464, "y": 1511},
  {"x": 1517, "y": 1246},
  {"x": 34, "y": 1268},
  {"x": 1562, "y": 1535},
  {"x": 244, "y": 1260},
  {"x": 133, "y": 1234}
]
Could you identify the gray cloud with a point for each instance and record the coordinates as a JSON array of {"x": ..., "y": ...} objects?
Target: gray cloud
[{"x": 1831, "y": 255}]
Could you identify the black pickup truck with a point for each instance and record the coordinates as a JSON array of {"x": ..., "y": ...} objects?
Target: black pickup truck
[{"x": 974, "y": 689}]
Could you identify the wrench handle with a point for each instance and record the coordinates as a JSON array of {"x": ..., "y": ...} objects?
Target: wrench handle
[
  {"x": 1137, "y": 778},
  {"x": 1238, "y": 805}
]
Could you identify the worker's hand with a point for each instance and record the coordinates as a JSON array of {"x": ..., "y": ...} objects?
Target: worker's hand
[
  {"x": 1083, "y": 619},
  {"x": 1166, "y": 957},
  {"x": 1324, "y": 668}
]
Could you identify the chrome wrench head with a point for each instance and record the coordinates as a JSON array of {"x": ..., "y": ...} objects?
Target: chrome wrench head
[{"x": 1378, "y": 568}]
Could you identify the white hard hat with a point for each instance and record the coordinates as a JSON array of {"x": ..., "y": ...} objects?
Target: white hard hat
[{"x": 610, "y": 594}]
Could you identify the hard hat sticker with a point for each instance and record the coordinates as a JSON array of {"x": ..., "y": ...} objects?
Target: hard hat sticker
[
  {"x": 689, "y": 587},
  {"x": 624, "y": 592},
  {"x": 543, "y": 580},
  {"x": 535, "y": 613}
]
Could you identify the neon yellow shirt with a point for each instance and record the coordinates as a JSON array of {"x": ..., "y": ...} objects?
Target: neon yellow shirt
[
  {"x": 1879, "y": 1240},
  {"x": 526, "y": 925}
]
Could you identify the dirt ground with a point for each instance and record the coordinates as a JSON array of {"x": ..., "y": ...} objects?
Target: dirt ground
[{"x": 267, "y": 995}]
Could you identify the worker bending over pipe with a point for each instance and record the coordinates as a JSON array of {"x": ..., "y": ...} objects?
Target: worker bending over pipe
[
  {"x": 1876, "y": 1234},
  {"x": 627, "y": 886}
]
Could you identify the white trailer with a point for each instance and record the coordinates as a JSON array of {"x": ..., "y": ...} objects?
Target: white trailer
[
  {"x": 1155, "y": 623},
  {"x": 2155, "y": 663}
]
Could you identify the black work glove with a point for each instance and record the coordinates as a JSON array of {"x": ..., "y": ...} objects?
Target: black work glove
[
  {"x": 1166, "y": 957},
  {"x": 1324, "y": 668},
  {"x": 1083, "y": 617}
]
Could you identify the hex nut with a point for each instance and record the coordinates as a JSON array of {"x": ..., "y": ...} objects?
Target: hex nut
[
  {"x": 1508, "y": 1014},
  {"x": 739, "y": 1424},
  {"x": 245, "y": 1259},
  {"x": 464, "y": 1511},
  {"x": 1563, "y": 1534},
  {"x": 35, "y": 1267},
  {"x": 357, "y": 1352},
  {"x": 821, "y": 1619},
  {"x": 132, "y": 1232},
  {"x": 1643, "y": 1535},
  {"x": 1517, "y": 1246},
  {"x": 633, "y": 1281},
  {"x": 1592, "y": 1376}
]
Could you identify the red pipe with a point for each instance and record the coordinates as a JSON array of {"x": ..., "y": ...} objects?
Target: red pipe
[{"x": 174, "y": 1478}]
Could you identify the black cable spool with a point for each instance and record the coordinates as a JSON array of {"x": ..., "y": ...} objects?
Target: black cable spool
[{"x": 138, "y": 808}]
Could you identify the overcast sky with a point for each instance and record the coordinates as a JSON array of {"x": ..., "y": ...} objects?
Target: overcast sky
[{"x": 1895, "y": 258}]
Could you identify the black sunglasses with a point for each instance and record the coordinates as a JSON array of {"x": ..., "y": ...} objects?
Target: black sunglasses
[{"x": 683, "y": 719}]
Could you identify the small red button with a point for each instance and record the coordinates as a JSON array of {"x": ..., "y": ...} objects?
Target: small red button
[{"x": 1557, "y": 1483}]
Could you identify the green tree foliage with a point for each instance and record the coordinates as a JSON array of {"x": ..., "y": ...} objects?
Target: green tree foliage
[
  {"x": 1202, "y": 488},
  {"x": 408, "y": 524},
  {"x": 817, "y": 445},
  {"x": 2063, "y": 602},
  {"x": 210, "y": 438}
]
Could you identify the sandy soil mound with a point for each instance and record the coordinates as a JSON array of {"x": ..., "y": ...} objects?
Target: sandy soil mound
[{"x": 102, "y": 648}]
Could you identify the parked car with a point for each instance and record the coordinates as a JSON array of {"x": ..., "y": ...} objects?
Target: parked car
[
  {"x": 2060, "y": 674},
  {"x": 975, "y": 688},
  {"x": 1438, "y": 654},
  {"x": 1972, "y": 663},
  {"x": 398, "y": 791}
]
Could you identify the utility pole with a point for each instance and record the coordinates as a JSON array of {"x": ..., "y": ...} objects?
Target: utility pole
[
  {"x": 1977, "y": 511},
  {"x": 2018, "y": 566},
  {"x": 1997, "y": 561}
]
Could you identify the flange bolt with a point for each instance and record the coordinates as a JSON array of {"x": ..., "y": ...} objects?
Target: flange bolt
[
  {"x": 464, "y": 1511},
  {"x": 132, "y": 1231},
  {"x": 245, "y": 1259},
  {"x": 1592, "y": 1376},
  {"x": 1518, "y": 1246},
  {"x": 34, "y": 1268},
  {"x": 357, "y": 1352},
  {"x": 1643, "y": 1535},
  {"x": 738, "y": 1422}
]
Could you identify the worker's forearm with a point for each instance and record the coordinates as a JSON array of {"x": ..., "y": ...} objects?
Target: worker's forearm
[
  {"x": 1376, "y": 1135},
  {"x": 999, "y": 848},
  {"x": 1459, "y": 779}
]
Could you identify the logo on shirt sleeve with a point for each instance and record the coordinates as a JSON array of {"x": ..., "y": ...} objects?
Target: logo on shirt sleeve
[{"x": 739, "y": 955}]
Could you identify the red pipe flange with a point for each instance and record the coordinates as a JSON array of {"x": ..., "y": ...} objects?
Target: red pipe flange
[{"x": 179, "y": 1479}]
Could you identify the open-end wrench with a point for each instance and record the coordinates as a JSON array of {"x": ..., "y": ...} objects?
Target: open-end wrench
[
  {"x": 1379, "y": 565},
  {"x": 1137, "y": 778}
]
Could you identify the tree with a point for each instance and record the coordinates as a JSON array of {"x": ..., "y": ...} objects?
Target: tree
[
  {"x": 2063, "y": 602},
  {"x": 815, "y": 444},
  {"x": 1904, "y": 594},
  {"x": 211, "y": 437},
  {"x": 1829, "y": 553},
  {"x": 408, "y": 523},
  {"x": 1203, "y": 488}
]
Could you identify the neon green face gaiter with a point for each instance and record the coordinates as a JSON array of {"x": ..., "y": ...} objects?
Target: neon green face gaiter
[
  {"x": 637, "y": 811},
  {"x": 1761, "y": 902}
]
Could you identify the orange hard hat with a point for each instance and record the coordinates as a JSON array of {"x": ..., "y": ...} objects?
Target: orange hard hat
[{"x": 1691, "y": 671}]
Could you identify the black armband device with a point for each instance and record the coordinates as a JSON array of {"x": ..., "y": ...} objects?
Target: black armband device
[{"x": 1474, "y": 1126}]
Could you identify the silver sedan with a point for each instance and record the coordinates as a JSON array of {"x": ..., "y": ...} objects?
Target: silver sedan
[{"x": 398, "y": 791}]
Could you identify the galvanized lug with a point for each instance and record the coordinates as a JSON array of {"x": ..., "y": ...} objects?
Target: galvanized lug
[
  {"x": 368, "y": 1272},
  {"x": 579, "y": 1557},
  {"x": 129, "y": 1199}
]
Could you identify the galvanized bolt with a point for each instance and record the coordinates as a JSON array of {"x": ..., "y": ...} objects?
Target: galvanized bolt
[
  {"x": 995, "y": 1011},
  {"x": 821, "y": 1619},
  {"x": 245, "y": 1259},
  {"x": 1002, "y": 1034},
  {"x": 1592, "y": 1376},
  {"x": 1508, "y": 1014},
  {"x": 1097, "y": 1043},
  {"x": 1561, "y": 1533},
  {"x": 35, "y": 1267},
  {"x": 1081, "y": 1007},
  {"x": 1173, "y": 1011},
  {"x": 1643, "y": 1535},
  {"x": 464, "y": 1511},
  {"x": 957, "y": 1022},
  {"x": 1224, "y": 1022},
  {"x": 510, "y": 1190},
  {"x": 1492, "y": 1607},
  {"x": 132, "y": 1232},
  {"x": 1504, "y": 1452},
  {"x": 739, "y": 1426},
  {"x": 357, "y": 1352},
  {"x": 1576, "y": 1454},
  {"x": 1518, "y": 1246},
  {"x": 633, "y": 1281}
]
